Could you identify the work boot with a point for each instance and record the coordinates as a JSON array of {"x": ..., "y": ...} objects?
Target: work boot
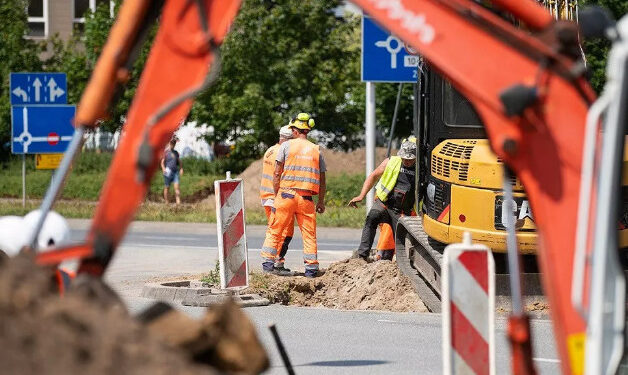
[
  {"x": 268, "y": 267},
  {"x": 311, "y": 273},
  {"x": 357, "y": 255},
  {"x": 281, "y": 270},
  {"x": 385, "y": 254}
]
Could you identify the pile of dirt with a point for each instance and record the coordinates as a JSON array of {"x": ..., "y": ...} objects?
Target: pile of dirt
[
  {"x": 337, "y": 162},
  {"x": 351, "y": 284},
  {"x": 89, "y": 331}
]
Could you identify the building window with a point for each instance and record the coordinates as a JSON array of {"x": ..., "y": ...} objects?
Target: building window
[
  {"x": 38, "y": 18},
  {"x": 81, "y": 7}
]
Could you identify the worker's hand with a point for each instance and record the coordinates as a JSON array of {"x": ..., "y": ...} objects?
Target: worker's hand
[
  {"x": 354, "y": 202},
  {"x": 320, "y": 207},
  {"x": 181, "y": 172}
]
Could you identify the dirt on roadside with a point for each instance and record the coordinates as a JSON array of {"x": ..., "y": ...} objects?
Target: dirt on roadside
[
  {"x": 89, "y": 331},
  {"x": 350, "y": 284}
]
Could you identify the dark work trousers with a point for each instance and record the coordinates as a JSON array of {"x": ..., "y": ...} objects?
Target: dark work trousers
[{"x": 378, "y": 214}]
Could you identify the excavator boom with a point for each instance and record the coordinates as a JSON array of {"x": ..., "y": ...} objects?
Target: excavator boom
[{"x": 529, "y": 91}]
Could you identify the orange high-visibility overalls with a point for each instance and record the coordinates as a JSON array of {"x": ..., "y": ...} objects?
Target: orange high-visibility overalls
[
  {"x": 300, "y": 180},
  {"x": 386, "y": 241},
  {"x": 267, "y": 196}
]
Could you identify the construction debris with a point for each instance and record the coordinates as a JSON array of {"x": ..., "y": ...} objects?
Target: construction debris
[
  {"x": 89, "y": 331},
  {"x": 351, "y": 284}
]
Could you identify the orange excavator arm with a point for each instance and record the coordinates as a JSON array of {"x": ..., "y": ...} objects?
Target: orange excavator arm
[
  {"x": 184, "y": 49},
  {"x": 527, "y": 87}
]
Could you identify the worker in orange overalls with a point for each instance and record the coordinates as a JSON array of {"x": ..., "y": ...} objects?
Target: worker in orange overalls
[
  {"x": 299, "y": 175},
  {"x": 267, "y": 196}
]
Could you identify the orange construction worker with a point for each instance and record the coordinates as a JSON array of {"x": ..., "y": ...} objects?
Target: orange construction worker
[
  {"x": 394, "y": 193},
  {"x": 299, "y": 175},
  {"x": 267, "y": 195}
]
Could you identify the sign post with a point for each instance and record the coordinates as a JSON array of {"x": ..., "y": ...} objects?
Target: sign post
[
  {"x": 23, "y": 180},
  {"x": 384, "y": 59}
]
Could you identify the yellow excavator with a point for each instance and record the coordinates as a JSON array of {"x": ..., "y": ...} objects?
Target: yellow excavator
[{"x": 460, "y": 179}]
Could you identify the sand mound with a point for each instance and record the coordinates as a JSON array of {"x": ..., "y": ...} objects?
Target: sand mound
[
  {"x": 89, "y": 331},
  {"x": 337, "y": 163},
  {"x": 351, "y": 284}
]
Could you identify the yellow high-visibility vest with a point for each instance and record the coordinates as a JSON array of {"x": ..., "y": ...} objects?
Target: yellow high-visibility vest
[{"x": 388, "y": 180}]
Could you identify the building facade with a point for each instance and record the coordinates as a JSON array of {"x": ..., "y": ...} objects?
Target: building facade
[{"x": 49, "y": 17}]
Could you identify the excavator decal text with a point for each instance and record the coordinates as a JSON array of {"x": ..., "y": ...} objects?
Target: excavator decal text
[{"x": 414, "y": 22}]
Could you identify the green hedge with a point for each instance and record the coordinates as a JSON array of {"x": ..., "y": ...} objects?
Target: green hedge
[{"x": 340, "y": 189}]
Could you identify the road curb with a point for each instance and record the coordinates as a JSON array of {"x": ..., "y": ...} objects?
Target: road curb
[{"x": 196, "y": 293}]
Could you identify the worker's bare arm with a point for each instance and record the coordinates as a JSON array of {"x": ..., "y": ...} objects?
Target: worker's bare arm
[
  {"x": 277, "y": 176},
  {"x": 320, "y": 206},
  {"x": 369, "y": 183}
]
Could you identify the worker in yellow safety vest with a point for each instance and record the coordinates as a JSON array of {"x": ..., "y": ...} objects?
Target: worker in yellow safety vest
[
  {"x": 267, "y": 196},
  {"x": 394, "y": 194},
  {"x": 299, "y": 175}
]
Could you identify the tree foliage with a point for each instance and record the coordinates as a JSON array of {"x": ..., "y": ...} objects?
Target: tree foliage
[
  {"x": 284, "y": 57},
  {"x": 16, "y": 54},
  {"x": 596, "y": 50}
]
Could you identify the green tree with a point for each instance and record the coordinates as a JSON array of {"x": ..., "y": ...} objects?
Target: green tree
[
  {"x": 17, "y": 54},
  {"x": 288, "y": 56},
  {"x": 78, "y": 56},
  {"x": 596, "y": 51}
]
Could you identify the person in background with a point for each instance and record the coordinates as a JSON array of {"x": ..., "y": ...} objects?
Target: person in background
[{"x": 171, "y": 169}]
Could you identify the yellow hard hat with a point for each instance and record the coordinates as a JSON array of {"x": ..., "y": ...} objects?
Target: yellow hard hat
[
  {"x": 409, "y": 139},
  {"x": 302, "y": 121}
]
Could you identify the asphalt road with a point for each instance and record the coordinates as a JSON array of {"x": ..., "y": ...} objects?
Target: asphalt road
[{"x": 319, "y": 341}]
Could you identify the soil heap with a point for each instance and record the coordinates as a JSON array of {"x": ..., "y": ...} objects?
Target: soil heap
[
  {"x": 351, "y": 284},
  {"x": 89, "y": 331}
]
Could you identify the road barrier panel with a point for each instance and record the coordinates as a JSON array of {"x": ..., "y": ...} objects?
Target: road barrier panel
[
  {"x": 231, "y": 231},
  {"x": 468, "y": 305}
]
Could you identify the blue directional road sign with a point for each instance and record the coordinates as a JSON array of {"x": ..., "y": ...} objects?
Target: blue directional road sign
[
  {"x": 384, "y": 57},
  {"x": 38, "y": 88},
  {"x": 41, "y": 129}
]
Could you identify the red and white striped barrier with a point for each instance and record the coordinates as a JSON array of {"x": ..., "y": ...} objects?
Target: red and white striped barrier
[
  {"x": 468, "y": 297},
  {"x": 232, "y": 247}
]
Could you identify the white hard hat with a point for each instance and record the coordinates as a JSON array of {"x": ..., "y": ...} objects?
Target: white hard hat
[
  {"x": 285, "y": 132},
  {"x": 13, "y": 234},
  {"x": 54, "y": 233}
]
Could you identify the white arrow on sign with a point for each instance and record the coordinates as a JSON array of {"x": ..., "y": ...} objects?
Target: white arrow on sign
[
  {"x": 37, "y": 85},
  {"x": 20, "y": 93},
  {"x": 54, "y": 90}
]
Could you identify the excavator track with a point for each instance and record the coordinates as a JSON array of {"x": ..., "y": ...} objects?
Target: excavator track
[{"x": 419, "y": 257}]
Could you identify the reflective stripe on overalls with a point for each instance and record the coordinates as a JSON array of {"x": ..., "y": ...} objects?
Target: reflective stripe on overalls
[
  {"x": 301, "y": 168},
  {"x": 388, "y": 180},
  {"x": 268, "y": 169}
]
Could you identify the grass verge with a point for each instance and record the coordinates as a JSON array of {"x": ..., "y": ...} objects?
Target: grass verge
[{"x": 186, "y": 212}]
